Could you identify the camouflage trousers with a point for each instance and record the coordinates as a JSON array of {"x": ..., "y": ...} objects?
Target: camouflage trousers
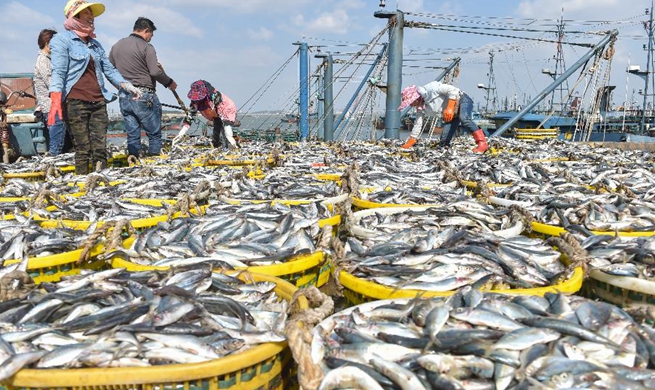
[{"x": 87, "y": 124}]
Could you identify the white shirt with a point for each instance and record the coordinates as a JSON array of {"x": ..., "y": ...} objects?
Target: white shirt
[{"x": 436, "y": 96}]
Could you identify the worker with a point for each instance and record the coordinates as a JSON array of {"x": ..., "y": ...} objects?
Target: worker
[
  {"x": 439, "y": 99},
  {"x": 216, "y": 107},
  {"x": 56, "y": 133},
  {"x": 136, "y": 59},
  {"x": 77, "y": 88}
]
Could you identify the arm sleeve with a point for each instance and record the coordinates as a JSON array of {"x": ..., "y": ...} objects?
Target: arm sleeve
[
  {"x": 108, "y": 69},
  {"x": 41, "y": 82},
  {"x": 418, "y": 125},
  {"x": 153, "y": 67},
  {"x": 59, "y": 63},
  {"x": 436, "y": 88}
]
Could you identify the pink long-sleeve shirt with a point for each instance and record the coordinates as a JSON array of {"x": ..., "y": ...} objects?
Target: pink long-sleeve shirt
[{"x": 226, "y": 110}]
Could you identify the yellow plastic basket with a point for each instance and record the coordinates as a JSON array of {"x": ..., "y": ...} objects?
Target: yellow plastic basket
[
  {"x": 328, "y": 177},
  {"x": 358, "y": 290},
  {"x": 550, "y": 230},
  {"x": 329, "y": 202},
  {"x": 367, "y": 204},
  {"x": 52, "y": 268},
  {"x": 301, "y": 271},
  {"x": 138, "y": 224},
  {"x": 238, "y": 162},
  {"x": 472, "y": 184},
  {"x": 266, "y": 366}
]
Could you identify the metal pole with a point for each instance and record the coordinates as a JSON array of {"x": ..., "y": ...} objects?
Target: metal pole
[
  {"x": 542, "y": 95},
  {"x": 448, "y": 69},
  {"x": 642, "y": 127},
  {"x": 328, "y": 97},
  {"x": 394, "y": 72},
  {"x": 361, "y": 85},
  {"x": 489, "y": 86},
  {"x": 320, "y": 109},
  {"x": 304, "y": 90}
]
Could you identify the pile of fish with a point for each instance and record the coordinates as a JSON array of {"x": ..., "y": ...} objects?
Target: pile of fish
[
  {"x": 443, "y": 194},
  {"x": 443, "y": 260},
  {"x": 99, "y": 209},
  {"x": 476, "y": 341},
  {"x": 229, "y": 237},
  {"x": 116, "y": 318},
  {"x": 465, "y": 213},
  {"x": 602, "y": 212},
  {"x": 622, "y": 256},
  {"x": 276, "y": 186},
  {"x": 21, "y": 188}
]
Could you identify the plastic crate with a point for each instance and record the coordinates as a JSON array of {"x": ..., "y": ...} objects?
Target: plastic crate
[
  {"x": 301, "y": 271},
  {"x": 266, "y": 366}
]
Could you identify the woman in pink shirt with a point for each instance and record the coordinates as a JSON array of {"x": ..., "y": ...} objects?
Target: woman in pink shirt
[{"x": 216, "y": 107}]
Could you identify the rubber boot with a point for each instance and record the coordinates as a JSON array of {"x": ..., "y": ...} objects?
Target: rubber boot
[
  {"x": 481, "y": 140},
  {"x": 411, "y": 141}
]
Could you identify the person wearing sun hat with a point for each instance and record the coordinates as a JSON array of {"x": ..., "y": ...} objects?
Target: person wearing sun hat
[
  {"x": 214, "y": 106},
  {"x": 439, "y": 99},
  {"x": 77, "y": 87}
]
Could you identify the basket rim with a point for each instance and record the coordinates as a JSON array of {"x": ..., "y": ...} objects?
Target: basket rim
[{"x": 86, "y": 377}]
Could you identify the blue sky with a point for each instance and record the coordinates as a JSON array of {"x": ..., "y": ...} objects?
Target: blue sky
[{"x": 238, "y": 45}]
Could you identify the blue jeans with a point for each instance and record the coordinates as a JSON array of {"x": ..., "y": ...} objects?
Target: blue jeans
[
  {"x": 57, "y": 133},
  {"x": 142, "y": 115},
  {"x": 462, "y": 118}
]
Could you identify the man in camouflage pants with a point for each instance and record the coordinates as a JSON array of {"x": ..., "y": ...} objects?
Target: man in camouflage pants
[{"x": 80, "y": 113}]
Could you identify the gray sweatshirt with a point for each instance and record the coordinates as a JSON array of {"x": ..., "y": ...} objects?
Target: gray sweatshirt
[{"x": 136, "y": 60}]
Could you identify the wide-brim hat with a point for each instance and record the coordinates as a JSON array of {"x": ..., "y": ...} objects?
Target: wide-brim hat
[
  {"x": 199, "y": 91},
  {"x": 74, "y": 7},
  {"x": 409, "y": 95}
]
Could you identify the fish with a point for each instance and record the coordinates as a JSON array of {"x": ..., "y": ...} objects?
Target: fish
[{"x": 530, "y": 351}]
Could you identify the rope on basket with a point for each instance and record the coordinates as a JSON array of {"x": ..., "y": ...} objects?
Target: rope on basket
[{"x": 298, "y": 332}]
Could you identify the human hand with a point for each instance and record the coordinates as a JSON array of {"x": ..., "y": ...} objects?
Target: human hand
[
  {"x": 449, "y": 112},
  {"x": 55, "y": 108},
  {"x": 136, "y": 92}
]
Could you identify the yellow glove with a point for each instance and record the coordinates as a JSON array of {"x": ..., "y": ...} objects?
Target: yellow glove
[{"x": 449, "y": 112}]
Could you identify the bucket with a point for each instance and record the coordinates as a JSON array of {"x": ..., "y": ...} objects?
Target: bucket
[
  {"x": 301, "y": 271},
  {"x": 53, "y": 268},
  {"x": 266, "y": 366},
  {"x": 620, "y": 290},
  {"x": 358, "y": 290}
]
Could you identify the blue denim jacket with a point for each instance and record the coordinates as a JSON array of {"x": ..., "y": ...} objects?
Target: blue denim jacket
[{"x": 70, "y": 57}]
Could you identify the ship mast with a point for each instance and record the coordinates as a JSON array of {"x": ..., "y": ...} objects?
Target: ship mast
[
  {"x": 560, "y": 68},
  {"x": 491, "y": 87},
  {"x": 649, "y": 29}
]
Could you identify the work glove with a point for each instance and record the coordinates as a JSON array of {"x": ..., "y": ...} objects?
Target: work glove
[
  {"x": 180, "y": 135},
  {"x": 449, "y": 112},
  {"x": 55, "y": 108},
  {"x": 136, "y": 92}
]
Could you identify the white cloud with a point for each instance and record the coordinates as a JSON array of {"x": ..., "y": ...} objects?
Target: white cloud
[
  {"x": 351, "y": 4},
  {"x": 587, "y": 9},
  {"x": 406, "y": 5},
  {"x": 262, "y": 34},
  {"x": 20, "y": 28},
  {"x": 122, "y": 14},
  {"x": 335, "y": 22},
  {"x": 243, "y": 6}
]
